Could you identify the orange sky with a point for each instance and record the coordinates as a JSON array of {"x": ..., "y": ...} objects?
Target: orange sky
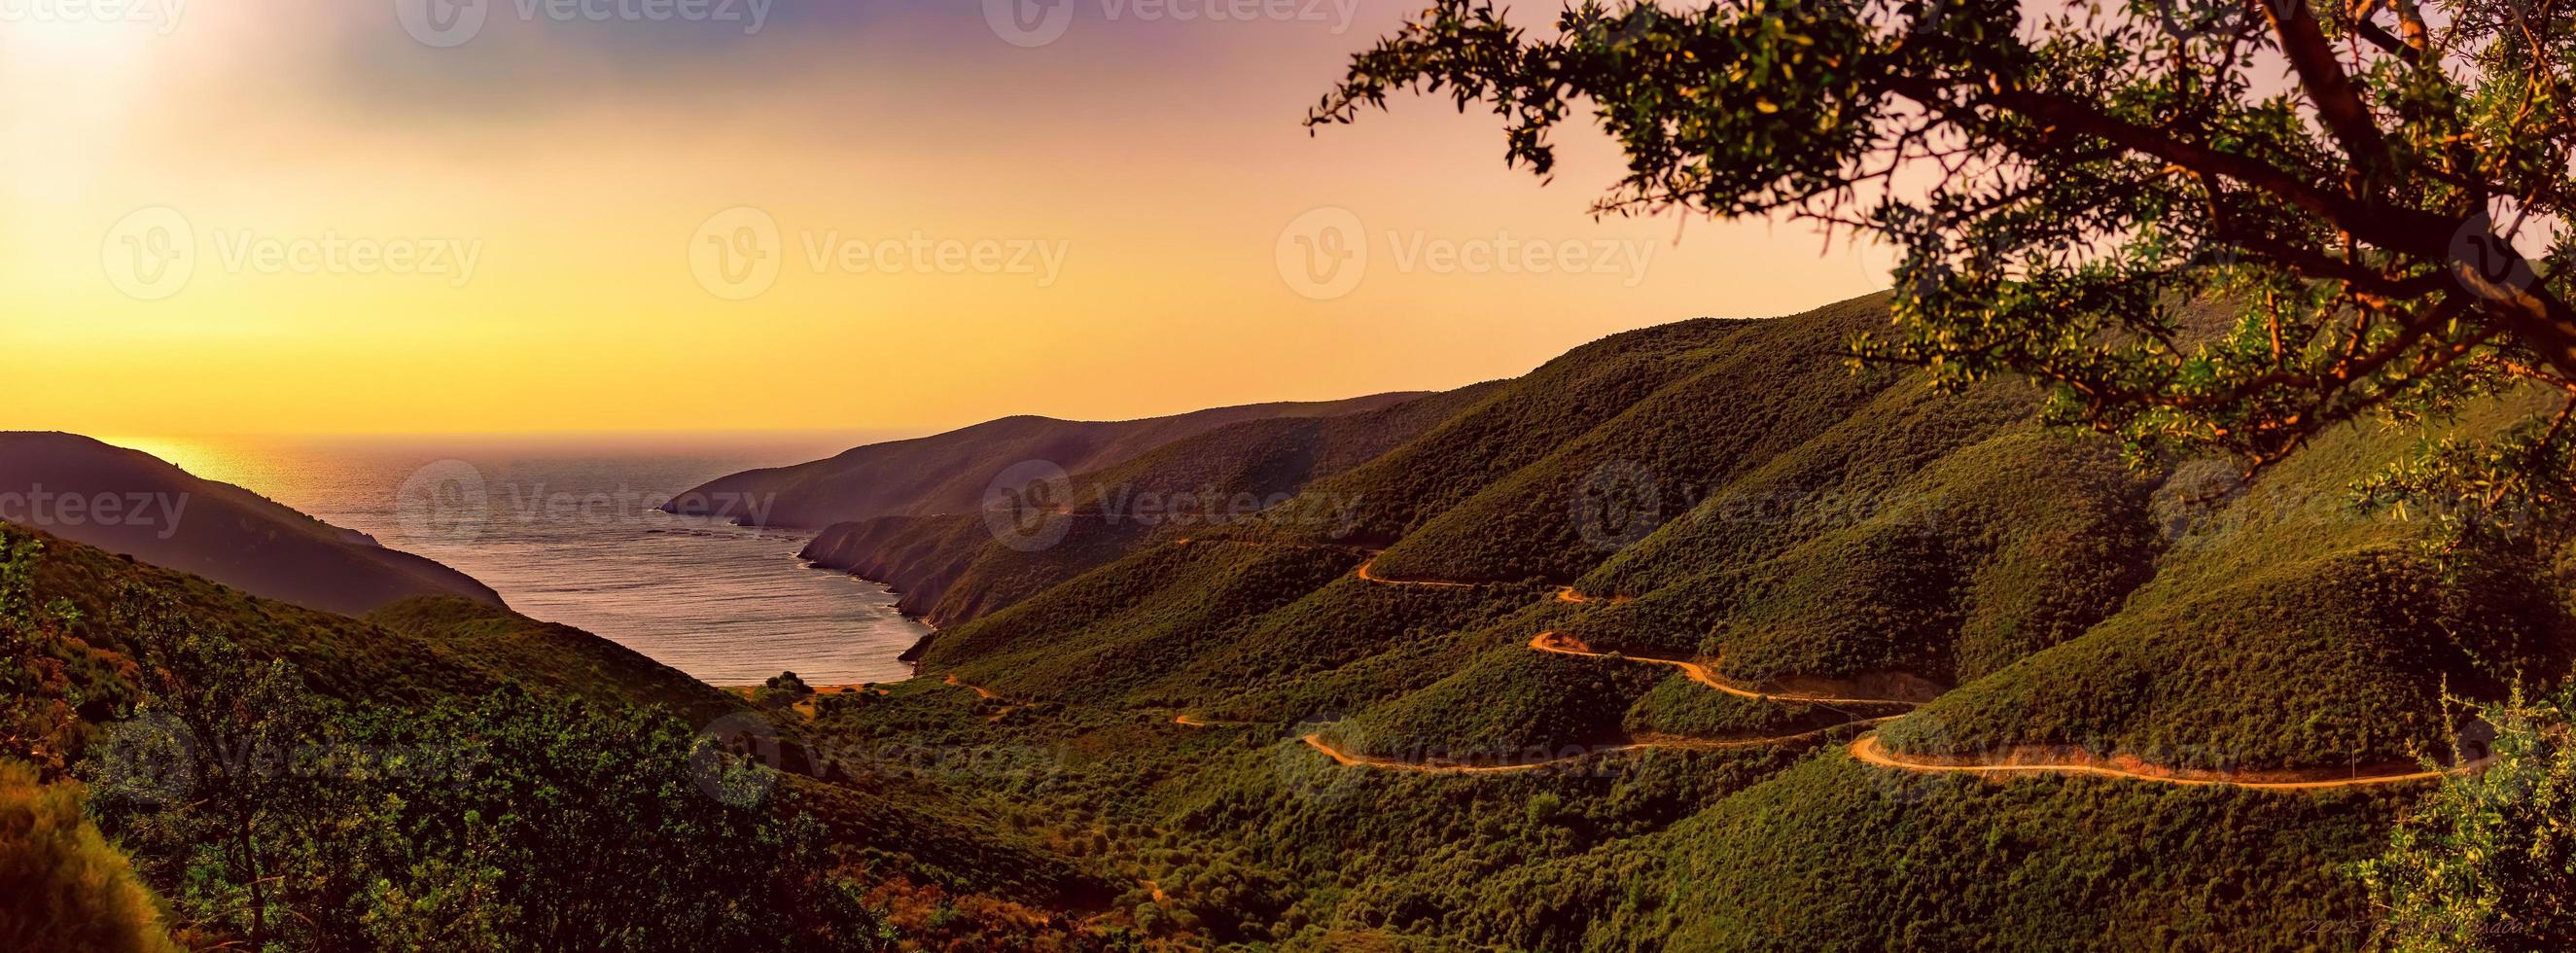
[{"x": 266, "y": 218}]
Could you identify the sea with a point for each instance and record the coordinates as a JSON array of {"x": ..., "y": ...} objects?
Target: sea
[{"x": 567, "y": 531}]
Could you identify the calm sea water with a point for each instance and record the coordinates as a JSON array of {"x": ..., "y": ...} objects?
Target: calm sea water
[{"x": 565, "y": 530}]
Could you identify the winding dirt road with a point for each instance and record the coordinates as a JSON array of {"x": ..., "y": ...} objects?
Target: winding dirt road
[
  {"x": 1567, "y": 594},
  {"x": 1866, "y": 750},
  {"x": 1367, "y": 576},
  {"x": 1640, "y": 743},
  {"x": 1561, "y": 644},
  {"x": 1008, "y": 706},
  {"x": 980, "y": 691}
]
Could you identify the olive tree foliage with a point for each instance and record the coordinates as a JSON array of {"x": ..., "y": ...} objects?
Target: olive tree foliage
[
  {"x": 2488, "y": 861},
  {"x": 2203, "y": 224}
]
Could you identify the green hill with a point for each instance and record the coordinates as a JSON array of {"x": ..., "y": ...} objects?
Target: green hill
[
  {"x": 1833, "y": 553},
  {"x": 950, "y": 568},
  {"x": 949, "y": 472}
]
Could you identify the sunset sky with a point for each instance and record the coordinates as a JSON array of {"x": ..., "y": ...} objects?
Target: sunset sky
[{"x": 258, "y": 217}]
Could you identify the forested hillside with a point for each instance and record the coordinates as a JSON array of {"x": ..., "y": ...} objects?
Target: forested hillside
[
  {"x": 202, "y": 766},
  {"x": 950, "y": 568},
  {"x": 1631, "y": 650}
]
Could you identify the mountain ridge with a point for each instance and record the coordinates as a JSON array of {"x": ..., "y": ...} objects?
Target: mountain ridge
[
  {"x": 215, "y": 530},
  {"x": 950, "y": 472}
]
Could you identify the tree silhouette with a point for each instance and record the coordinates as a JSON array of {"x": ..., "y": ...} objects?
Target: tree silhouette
[{"x": 2203, "y": 224}]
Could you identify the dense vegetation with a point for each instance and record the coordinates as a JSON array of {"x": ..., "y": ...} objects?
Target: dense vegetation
[
  {"x": 1878, "y": 539},
  {"x": 454, "y": 777},
  {"x": 1119, "y": 763},
  {"x": 68, "y": 889},
  {"x": 2486, "y": 863},
  {"x": 950, "y": 568}
]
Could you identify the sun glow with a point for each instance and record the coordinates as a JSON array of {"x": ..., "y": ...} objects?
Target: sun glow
[{"x": 574, "y": 163}]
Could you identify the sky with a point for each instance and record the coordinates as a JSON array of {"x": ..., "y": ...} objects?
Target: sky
[{"x": 586, "y": 216}]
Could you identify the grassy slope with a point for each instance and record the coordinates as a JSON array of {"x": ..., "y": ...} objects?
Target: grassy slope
[
  {"x": 1767, "y": 388},
  {"x": 1834, "y": 856},
  {"x": 1840, "y": 530},
  {"x": 1949, "y": 568},
  {"x": 949, "y": 569},
  {"x": 1523, "y": 421},
  {"x": 2282, "y": 628}
]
